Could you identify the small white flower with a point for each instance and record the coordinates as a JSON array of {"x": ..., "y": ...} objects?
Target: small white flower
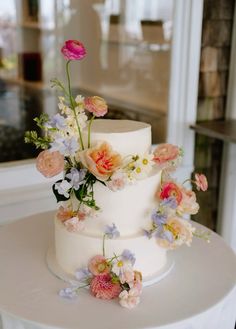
[
  {"x": 129, "y": 299},
  {"x": 63, "y": 188}
]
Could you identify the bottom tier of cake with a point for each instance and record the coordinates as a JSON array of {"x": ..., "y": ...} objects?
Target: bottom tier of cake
[{"x": 73, "y": 250}]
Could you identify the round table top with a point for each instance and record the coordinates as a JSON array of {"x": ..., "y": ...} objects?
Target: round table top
[{"x": 203, "y": 276}]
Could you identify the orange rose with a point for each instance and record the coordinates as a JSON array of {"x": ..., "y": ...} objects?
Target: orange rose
[
  {"x": 50, "y": 163},
  {"x": 101, "y": 160}
]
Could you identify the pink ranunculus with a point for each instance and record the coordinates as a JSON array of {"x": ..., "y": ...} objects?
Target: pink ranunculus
[
  {"x": 201, "y": 182},
  {"x": 50, "y": 163},
  {"x": 101, "y": 286},
  {"x": 166, "y": 152},
  {"x": 98, "y": 265},
  {"x": 118, "y": 181},
  {"x": 129, "y": 299},
  {"x": 96, "y": 105},
  {"x": 73, "y": 50},
  {"x": 170, "y": 189},
  {"x": 100, "y": 160}
]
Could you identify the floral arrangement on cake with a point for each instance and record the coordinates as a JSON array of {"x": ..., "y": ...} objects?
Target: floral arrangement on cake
[
  {"x": 109, "y": 278},
  {"x": 67, "y": 150}
]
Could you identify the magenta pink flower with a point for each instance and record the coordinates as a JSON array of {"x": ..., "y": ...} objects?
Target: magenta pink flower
[
  {"x": 96, "y": 105},
  {"x": 201, "y": 182},
  {"x": 50, "y": 163},
  {"x": 102, "y": 287},
  {"x": 170, "y": 189},
  {"x": 98, "y": 265},
  {"x": 73, "y": 50}
]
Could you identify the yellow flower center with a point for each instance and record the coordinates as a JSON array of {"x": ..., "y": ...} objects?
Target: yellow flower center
[
  {"x": 120, "y": 263},
  {"x": 138, "y": 170},
  {"x": 145, "y": 161}
]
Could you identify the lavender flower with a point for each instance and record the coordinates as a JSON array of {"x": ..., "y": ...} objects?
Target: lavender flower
[
  {"x": 82, "y": 274},
  {"x": 66, "y": 146},
  {"x": 165, "y": 234},
  {"x": 111, "y": 231},
  {"x": 69, "y": 292},
  {"x": 76, "y": 177},
  {"x": 128, "y": 255},
  {"x": 147, "y": 233},
  {"x": 58, "y": 121},
  {"x": 169, "y": 202},
  {"x": 158, "y": 218}
]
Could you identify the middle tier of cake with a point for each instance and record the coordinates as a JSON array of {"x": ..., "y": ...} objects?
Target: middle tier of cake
[{"x": 129, "y": 209}]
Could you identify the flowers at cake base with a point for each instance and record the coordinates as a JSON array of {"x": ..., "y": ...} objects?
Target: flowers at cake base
[{"x": 109, "y": 277}]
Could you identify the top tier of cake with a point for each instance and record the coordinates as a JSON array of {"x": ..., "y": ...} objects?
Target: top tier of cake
[{"x": 126, "y": 137}]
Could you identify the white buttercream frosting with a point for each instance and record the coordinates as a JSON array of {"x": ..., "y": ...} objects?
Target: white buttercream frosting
[{"x": 129, "y": 209}]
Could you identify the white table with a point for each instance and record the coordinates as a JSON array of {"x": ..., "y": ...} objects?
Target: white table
[{"x": 199, "y": 293}]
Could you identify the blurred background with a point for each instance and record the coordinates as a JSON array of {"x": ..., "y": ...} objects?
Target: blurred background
[{"x": 128, "y": 62}]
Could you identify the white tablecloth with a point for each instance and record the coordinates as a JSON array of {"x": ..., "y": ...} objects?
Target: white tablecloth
[{"x": 199, "y": 293}]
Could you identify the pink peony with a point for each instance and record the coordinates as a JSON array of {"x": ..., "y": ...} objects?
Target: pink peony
[
  {"x": 102, "y": 287},
  {"x": 101, "y": 160},
  {"x": 130, "y": 299},
  {"x": 165, "y": 152},
  {"x": 98, "y": 265},
  {"x": 201, "y": 182},
  {"x": 50, "y": 163},
  {"x": 73, "y": 50},
  {"x": 170, "y": 189},
  {"x": 96, "y": 105}
]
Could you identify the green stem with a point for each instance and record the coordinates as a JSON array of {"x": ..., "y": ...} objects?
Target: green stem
[
  {"x": 72, "y": 104},
  {"x": 89, "y": 129},
  {"x": 80, "y": 287},
  {"x": 103, "y": 245}
]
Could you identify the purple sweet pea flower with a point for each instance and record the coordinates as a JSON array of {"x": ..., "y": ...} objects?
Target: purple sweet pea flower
[
  {"x": 111, "y": 231},
  {"x": 128, "y": 255},
  {"x": 76, "y": 177},
  {"x": 165, "y": 234},
  {"x": 83, "y": 274},
  {"x": 158, "y": 218},
  {"x": 69, "y": 292},
  {"x": 169, "y": 202},
  {"x": 58, "y": 121}
]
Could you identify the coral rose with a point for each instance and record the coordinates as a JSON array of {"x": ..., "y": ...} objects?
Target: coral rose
[
  {"x": 101, "y": 286},
  {"x": 101, "y": 160},
  {"x": 73, "y": 50},
  {"x": 201, "y": 182},
  {"x": 165, "y": 152},
  {"x": 170, "y": 189},
  {"x": 96, "y": 105},
  {"x": 98, "y": 265},
  {"x": 50, "y": 163}
]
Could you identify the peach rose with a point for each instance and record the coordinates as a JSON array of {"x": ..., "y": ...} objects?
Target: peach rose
[
  {"x": 101, "y": 160},
  {"x": 96, "y": 105},
  {"x": 188, "y": 203},
  {"x": 98, "y": 265},
  {"x": 165, "y": 152},
  {"x": 50, "y": 163}
]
